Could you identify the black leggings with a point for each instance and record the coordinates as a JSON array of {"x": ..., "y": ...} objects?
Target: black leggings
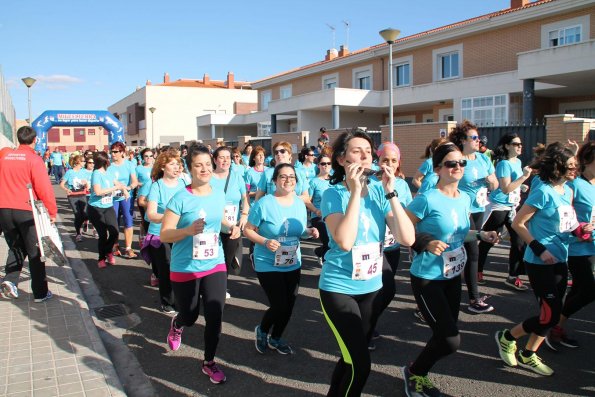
[
  {"x": 389, "y": 269},
  {"x": 281, "y": 289},
  {"x": 232, "y": 250},
  {"x": 582, "y": 291},
  {"x": 319, "y": 224},
  {"x": 104, "y": 221},
  {"x": 144, "y": 223},
  {"x": 495, "y": 222},
  {"x": 549, "y": 285},
  {"x": 472, "y": 249},
  {"x": 79, "y": 207},
  {"x": 351, "y": 318},
  {"x": 160, "y": 260},
  {"x": 439, "y": 302},
  {"x": 212, "y": 290}
]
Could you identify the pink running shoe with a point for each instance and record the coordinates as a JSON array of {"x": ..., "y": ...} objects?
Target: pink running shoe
[
  {"x": 101, "y": 264},
  {"x": 214, "y": 373},
  {"x": 154, "y": 281},
  {"x": 174, "y": 337},
  {"x": 109, "y": 258}
]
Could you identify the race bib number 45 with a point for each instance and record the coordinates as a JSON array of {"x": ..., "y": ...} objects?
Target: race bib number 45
[
  {"x": 205, "y": 246},
  {"x": 367, "y": 261}
]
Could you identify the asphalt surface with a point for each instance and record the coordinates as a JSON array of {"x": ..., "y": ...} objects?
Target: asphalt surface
[{"x": 475, "y": 370}]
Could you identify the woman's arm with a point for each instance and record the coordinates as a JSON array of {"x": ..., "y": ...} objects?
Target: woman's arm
[
  {"x": 152, "y": 213},
  {"x": 507, "y": 185},
  {"x": 251, "y": 233},
  {"x": 417, "y": 179},
  {"x": 169, "y": 228},
  {"x": 519, "y": 224},
  {"x": 63, "y": 186}
]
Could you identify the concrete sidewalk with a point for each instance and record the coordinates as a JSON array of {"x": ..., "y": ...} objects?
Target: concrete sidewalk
[{"x": 52, "y": 348}]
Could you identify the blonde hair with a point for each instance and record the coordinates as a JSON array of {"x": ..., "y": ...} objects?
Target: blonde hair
[{"x": 165, "y": 157}]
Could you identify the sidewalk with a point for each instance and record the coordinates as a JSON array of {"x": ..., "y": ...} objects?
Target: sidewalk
[{"x": 52, "y": 348}]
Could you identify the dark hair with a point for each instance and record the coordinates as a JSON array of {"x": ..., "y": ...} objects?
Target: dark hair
[
  {"x": 339, "y": 147},
  {"x": 303, "y": 153},
  {"x": 458, "y": 134},
  {"x": 441, "y": 152},
  {"x": 501, "y": 153},
  {"x": 101, "y": 160},
  {"x": 586, "y": 155},
  {"x": 255, "y": 151},
  {"x": 26, "y": 135},
  {"x": 551, "y": 165},
  {"x": 284, "y": 165},
  {"x": 182, "y": 147},
  {"x": 145, "y": 150},
  {"x": 432, "y": 146},
  {"x": 194, "y": 150},
  {"x": 119, "y": 146},
  {"x": 246, "y": 147},
  {"x": 219, "y": 150}
]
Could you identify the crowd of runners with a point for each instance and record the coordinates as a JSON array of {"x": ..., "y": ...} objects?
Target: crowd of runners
[{"x": 197, "y": 203}]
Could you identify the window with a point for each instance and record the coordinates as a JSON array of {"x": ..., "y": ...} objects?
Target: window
[
  {"x": 105, "y": 132},
  {"x": 330, "y": 81},
  {"x": 66, "y": 131},
  {"x": 265, "y": 98},
  {"x": 79, "y": 148},
  {"x": 363, "y": 80},
  {"x": 91, "y": 131},
  {"x": 79, "y": 135},
  {"x": 564, "y": 36},
  {"x": 448, "y": 65},
  {"x": 486, "y": 110},
  {"x": 54, "y": 135},
  {"x": 285, "y": 91},
  {"x": 401, "y": 75}
]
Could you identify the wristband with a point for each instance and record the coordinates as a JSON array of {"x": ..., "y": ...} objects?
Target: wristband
[
  {"x": 537, "y": 247},
  {"x": 266, "y": 240},
  {"x": 478, "y": 236},
  {"x": 390, "y": 195}
]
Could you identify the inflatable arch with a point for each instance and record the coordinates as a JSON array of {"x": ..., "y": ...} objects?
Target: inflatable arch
[{"x": 76, "y": 118}]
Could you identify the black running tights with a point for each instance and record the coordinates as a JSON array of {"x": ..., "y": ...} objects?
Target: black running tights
[
  {"x": 582, "y": 291},
  {"x": 281, "y": 289},
  {"x": 495, "y": 222}
]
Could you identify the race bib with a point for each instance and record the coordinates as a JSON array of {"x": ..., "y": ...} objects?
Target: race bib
[
  {"x": 77, "y": 184},
  {"x": 482, "y": 196},
  {"x": 593, "y": 217},
  {"x": 205, "y": 246},
  {"x": 107, "y": 200},
  {"x": 454, "y": 262},
  {"x": 514, "y": 197},
  {"x": 568, "y": 221},
  {"x": 389, "y": 239},
  {"x": 286, "y": 254},
  {"x": 231, "y": 213},
  {"x": 367, "y": 261},
  {"x": 117, "y": 194}
]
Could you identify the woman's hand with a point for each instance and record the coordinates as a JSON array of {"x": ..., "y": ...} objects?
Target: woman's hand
[
  {"x": 235, "y": 232},
  {"x": 436, "y": 247},
  {"x": 388, "y": 178},
  {"x": 548, "y": 258},
  {"x": 243, "y": 220},
  {"x": 197, "y": 227},
  {"x": 272, "y": 245},
  {"x": 353, "y": 175},
  {"x": 313, "y": 232},
  {"x": 490, "y": 237},
  {"x": 527, "y": 171}
]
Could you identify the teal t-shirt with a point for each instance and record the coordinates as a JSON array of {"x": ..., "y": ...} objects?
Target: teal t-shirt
[
  {"x": 473, "y": 181},
  {"x": 143, "y": 174},
  {"x": 239, "y": 169},
  {"x": 507, "y": 169},
  {"x": 427, "y": 167},
  {"x": 101, "y": 178},
  {"x": 267, "y": 185},
  {"x": 339, "y": 273},
  {"x": 446, "y": 219},
  {"x": 252, "y": 177},
  {"x": 122, "y": 173},
  {"x": 236, "y": 188},
  {"x": 545, "y": 225},
  {"x": 317, "y": 188},
  {"x": 56, "y": 158},
  {"x": 160, "y": 193},
  {"x": 584, "y": 202},
  {"x": 310, "y": 172},
  {"x": 404, "y": 193},
  {"x": 76, "y": 180},
  {"x": 189, "y": 208},
  {"x": 282, "y": 223}
]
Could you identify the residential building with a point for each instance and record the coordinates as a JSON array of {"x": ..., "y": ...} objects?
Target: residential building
[
  {"x": 69, "y": 139},
  {"x": 509, "y": 66},
  {"x": 7, "y": 116},
  {"x": 168, "y": 112}
]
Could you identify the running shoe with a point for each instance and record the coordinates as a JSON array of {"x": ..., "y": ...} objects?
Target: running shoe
[
  {"x": 110, "y": 259},
  {"x": 101, "y": 264},
  {"x": 418, "y": 386},
  {"x": 174, "y": 337},
  {"x": 516, "y": 283},
  {"x": 130, "y": 254},
  {"x": 167, "y": 309},
  {"x": 116, "y": 251},
  {"x": 557, "y": 337},
  {"x": 280, "y": 345},
  {"x": 480, "y": 279},
  {"x": 480, "y": 307},
  {"x": 261, "y": 340},
  {"x": 214, "y": 373},
  {"x": 251, "y": 257},
  {"x": 534, "y": 363},
  {"x": 506, "y": 349},
  {"x": 9, "y": 290},
  {"x": 419, "y": 315},
  {"x": 78, "y": 238},
  {"x": 375, "y": 335},
  {"x": 227, "y": 295},
  {"x": 153, "y": 280},
  {"x": 48, "y": 296}
]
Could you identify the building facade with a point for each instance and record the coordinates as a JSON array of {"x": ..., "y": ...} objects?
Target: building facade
[
  {"x": 69, "y": 139},
  {"x": 7, "y": 116}
]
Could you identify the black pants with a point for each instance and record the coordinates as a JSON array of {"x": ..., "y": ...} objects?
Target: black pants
[
  {"x": 212, "y": 290},
  {"x": 143, "y": 221},
  {"x": 319, "y": 224},
  {"x": 497, "y": 220},
  {"x": 439, "y": 302},
  {"x": 351, "y": 318},
  {"x": 389, "y": 269},
  {"x": 472, "y": 249},
  {"x": 281, "y": 288},
  {"x": 160, "y": 260},
  {"x": 104, "y": 221},
  {"x": 582, "y": 291},
  {"x": 79, "y": 207},
  {"x": 231, "y": 250},
  {"x": 549, "y": 285},
  {"x": 21, "y": 237}
]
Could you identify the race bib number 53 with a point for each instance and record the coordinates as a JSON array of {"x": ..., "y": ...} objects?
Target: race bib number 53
[{"x": 205, "y": 246}]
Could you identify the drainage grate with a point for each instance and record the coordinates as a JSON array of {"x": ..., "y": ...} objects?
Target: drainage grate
[{"x": 110, "y": 311}]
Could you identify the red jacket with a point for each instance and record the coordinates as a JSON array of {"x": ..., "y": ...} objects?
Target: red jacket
[{"x": 18, "y": 168}]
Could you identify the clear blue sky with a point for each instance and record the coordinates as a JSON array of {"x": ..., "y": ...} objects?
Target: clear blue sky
[{"x": 90, "y": 54}]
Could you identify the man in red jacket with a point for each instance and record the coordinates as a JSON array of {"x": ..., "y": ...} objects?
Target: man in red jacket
[{"x": 18, "y": 168}]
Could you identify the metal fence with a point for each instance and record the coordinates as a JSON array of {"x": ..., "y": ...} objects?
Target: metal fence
[
  {"x": 264, "y": 142},
  {"x": 530, "y": 135}
]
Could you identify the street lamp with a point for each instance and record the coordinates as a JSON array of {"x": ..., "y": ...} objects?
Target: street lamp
[
  {"x": 390, "y": 35},
  {"x": 29, "y": 81},
  {"x": 152, "y": 110}
]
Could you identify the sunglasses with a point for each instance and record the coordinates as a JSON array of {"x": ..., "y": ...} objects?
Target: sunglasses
[
  {"x": 116, "y": 151},
  {"x": 454, "y": 163},
  {"x": 473, "y": 137},
  {"x": 282, "y": 151},
  {"x": 148, "y": 155},
  {"x": 90, "y": 162},
  {"x": 519, "y": 144},
  {"x": 323, "y": 164},
  {"x": 310, "y": 154}
]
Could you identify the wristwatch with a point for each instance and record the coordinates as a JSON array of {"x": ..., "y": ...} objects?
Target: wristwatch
[{"x": 391, "y": 195}]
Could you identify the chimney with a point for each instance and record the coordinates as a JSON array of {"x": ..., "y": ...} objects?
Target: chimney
[
  {"x": 519, "y": 3},
  {"x": 230, "y": 80},
  {"x": 343, "y": 50},
  {"x": 148, "y": 82},
  {"x": 205, "y": 79},
  {"x": 331, "y": 54},
  {"x": 166, "y": 78}
]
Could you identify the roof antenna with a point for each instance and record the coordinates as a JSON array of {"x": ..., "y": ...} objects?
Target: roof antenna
[
  {"x": 332, "y": 28},
  {"x": 347, "y": 25}
]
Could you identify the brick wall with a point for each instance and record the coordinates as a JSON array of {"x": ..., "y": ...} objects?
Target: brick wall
[{"x": 561, "y": 127}]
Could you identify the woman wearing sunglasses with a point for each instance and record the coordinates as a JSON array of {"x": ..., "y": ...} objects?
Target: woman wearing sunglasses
[
  {"x": 75, "y": 183},
  {"x": 237, "y": 163},
  {"x": 544, "y": 222},
  {"x": 424, "y": 178},
  {"x": 143, "y": 173},
  {"x": 306, "y": 164},
  {"x": 318, "y": 186},
  {"x": 254, "y": 171},
  {"x": 435, "y": 273},
  {"x": 504, "y": 202},
  {"x": 478, "y": 179}
]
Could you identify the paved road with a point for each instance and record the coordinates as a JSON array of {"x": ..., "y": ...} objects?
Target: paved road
[{"x": 474, "y": 370}]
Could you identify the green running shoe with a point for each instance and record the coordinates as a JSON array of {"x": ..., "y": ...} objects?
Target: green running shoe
[
  {"x": 535, "y": 364},
  {"x": 506, "y": 348}
]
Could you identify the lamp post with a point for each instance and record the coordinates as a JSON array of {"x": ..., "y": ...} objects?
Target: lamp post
[
  {"x": 29, "y": 81},
  {"x": 152, "y": 110},
  {"x": 390, "y": 35}
]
